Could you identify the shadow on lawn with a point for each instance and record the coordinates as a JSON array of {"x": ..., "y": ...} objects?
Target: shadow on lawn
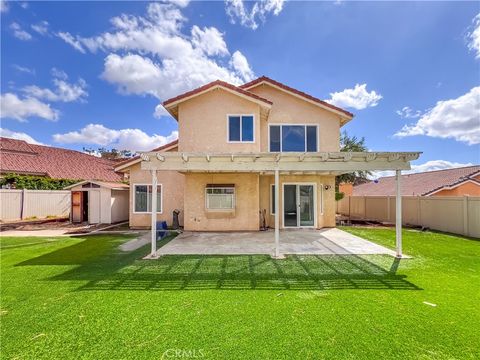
[{"x": 109, "y": 269}]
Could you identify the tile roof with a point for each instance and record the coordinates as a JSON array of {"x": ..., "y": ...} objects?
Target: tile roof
[
  {"x": 213, "y": 84},
  {"x": 417, "y": 184},
  {"x": 18, "y": 156},
  {"x": 295, "y": 91},
  {"x": 135, "y": 158}
]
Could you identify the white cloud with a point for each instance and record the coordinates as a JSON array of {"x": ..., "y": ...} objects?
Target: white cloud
[
  {"x": 258, "y": 10},
  {"x": 40, "y": 27},
  {"x": 23, "y": 69},
  {"x": 150, "y": 55},
  {"x": 209, "y": 40},
  {"x": 473, "y": 37},
  {"x": 69, "y": 39},
  {"x": 408, "y": 113},
  {"x": 20, "y": 109},
  {"x": 19, "y": 136},
  {"x": 19, "y": 33},
  {"x": 124, "y": 139},
  {"x": 456, "y": 118},
  {"x": 64, "y": 91},
  {"x": 358, "y": 98},
  {"x": 3, "y": 6},
  {"x": 180, "y": 3},
  {"x": 428, "y": 166},
  {"x": 240, "y": 64}
]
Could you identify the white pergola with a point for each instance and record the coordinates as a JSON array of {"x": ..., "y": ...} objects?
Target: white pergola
[{"x": 291, "y": 163}]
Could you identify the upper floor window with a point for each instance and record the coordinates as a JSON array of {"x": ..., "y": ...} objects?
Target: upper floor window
[
  {"x": 240, "y": 128},
  {"x": 301, "y": 138}
]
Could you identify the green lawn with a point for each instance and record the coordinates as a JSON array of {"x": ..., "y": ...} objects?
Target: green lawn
[{"x": 65, "y": 298}]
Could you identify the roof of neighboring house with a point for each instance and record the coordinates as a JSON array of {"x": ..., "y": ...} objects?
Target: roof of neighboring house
[
  {"x": 18, "y": 156},
  {"x": 265, "y": 79},
  {"x": 132, "y": 161},
  {"x": 422, "y": 184}
]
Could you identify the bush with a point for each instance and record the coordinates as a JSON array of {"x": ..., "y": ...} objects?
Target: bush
[{"x": 28, "y": 182}]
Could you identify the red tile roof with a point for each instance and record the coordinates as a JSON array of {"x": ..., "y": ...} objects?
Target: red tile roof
[
  {"x": 213, "y": 84},
  {"x": 17, "y": 156},
  {"x": 135, "y": 158},
  {"x": 418, "y": 184},
  {"x": 295, "y": 91}
]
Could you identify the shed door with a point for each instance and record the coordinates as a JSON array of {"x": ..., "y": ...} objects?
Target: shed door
[
  {"x": 94, "y": 207},
  {"x": 77, "y": 206}
]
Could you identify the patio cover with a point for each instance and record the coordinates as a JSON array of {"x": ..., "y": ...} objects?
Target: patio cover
[{"x": 322, "y": 163}]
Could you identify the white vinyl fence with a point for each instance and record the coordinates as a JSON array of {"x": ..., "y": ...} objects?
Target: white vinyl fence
[
  {"x": 453, "y": 214},
  {"x": 25, "y": 204}
]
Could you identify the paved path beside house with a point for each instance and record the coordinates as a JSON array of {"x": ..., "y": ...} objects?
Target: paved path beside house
[
  {"x": 303, "y": 242},
  {"x": 134, "y": 244},
  {"x": 35, "y": 233}
]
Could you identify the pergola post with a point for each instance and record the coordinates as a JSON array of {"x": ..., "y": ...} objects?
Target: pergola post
[
  {"x": 154, "y": 213},
  {"x": 277, "y": 215},
  {"x": 398, "y": 214}
]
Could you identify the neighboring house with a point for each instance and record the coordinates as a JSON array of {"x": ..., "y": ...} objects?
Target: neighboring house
[
  {"x": 100, "y": 196},
  {"x": 449, "y": 182},
  {"x": 236, "y": 143},
  {"x": 20, "y": 157}
]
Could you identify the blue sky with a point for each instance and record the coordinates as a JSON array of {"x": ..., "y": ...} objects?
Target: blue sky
[{"x": 93, "y": 73}]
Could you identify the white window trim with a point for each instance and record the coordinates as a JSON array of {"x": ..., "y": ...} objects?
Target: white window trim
[
  {"x": 293, "y": 124},
  {"x": 228, "y": 129},
  {"x": 234, "y": 203},
  {"x": 148, "y": 212},
  {"x": 315, "y": 200}
]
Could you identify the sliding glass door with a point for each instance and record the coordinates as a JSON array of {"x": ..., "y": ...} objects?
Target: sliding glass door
[{"x": 298, "y": 205}]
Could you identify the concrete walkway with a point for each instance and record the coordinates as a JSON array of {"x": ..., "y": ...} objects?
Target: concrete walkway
[
  {"x": 303, "y": 242},
  {"x": 35, "y": 233}
]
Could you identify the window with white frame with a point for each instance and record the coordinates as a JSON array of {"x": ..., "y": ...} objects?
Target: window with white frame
[
  {"x": 241, "y": 128},
  {"x": 300, "y": 138},
  {"x": 220, "y": 197},
  {"x": 142, "y": 198}
]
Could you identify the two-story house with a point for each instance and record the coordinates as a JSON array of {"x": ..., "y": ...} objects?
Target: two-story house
[{"x": 247, "y": 156}]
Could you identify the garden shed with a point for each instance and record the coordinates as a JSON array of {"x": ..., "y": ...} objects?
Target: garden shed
[{"x": 99, "y": 202}]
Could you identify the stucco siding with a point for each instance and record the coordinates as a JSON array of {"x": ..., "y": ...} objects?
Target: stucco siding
[
  {"x": 246, "y": 213},
  {"x": 203, "y": 126},
  {"x": 172, "y": 198},
  {"x": 288, "y": 109},
  {"x": 325, "y": 214},
  {"x": 467, "y": 188}
]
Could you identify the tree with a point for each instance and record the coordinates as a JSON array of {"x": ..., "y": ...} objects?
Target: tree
[
  {"x": 351, "y": 144},
  {"x": 112, "y": 154}
]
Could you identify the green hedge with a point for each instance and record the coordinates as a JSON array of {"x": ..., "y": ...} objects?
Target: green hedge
[{"x": 29, "y": 182}]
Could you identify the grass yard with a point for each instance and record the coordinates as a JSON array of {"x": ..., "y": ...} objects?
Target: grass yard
[{"x": 65, "y": 298}]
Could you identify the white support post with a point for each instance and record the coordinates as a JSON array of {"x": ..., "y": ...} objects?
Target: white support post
[
  {"x": 398, "y": 214},
  {"x": 154, "y": 213},
  {"x": 277, "y": 215}
]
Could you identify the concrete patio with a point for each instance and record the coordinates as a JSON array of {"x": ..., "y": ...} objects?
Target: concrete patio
[{"x": 302, "y": 242}]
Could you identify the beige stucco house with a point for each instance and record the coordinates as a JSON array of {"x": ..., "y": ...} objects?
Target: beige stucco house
[{"x": 258, "y": 154}]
